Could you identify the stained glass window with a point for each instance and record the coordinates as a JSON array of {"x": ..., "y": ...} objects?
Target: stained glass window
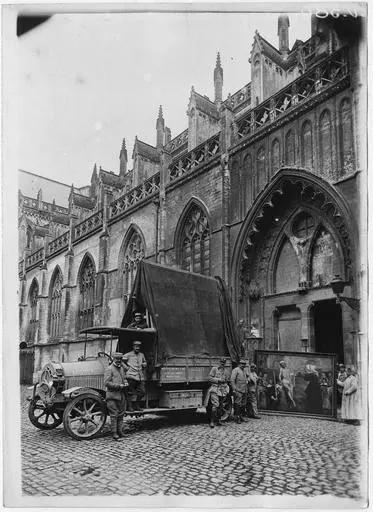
[
  {"x": 195, "y": 242},
  {"x": 87, "y": 283}
]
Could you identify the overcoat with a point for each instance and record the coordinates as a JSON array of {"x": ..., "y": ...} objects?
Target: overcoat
[{"x": 114, "y": 377}]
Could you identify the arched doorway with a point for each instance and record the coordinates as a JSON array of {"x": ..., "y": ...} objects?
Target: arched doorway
[{"x": 297, "y": 236}]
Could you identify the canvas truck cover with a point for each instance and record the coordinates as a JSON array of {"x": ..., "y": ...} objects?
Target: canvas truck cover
[{"x": 191, "y": 313}]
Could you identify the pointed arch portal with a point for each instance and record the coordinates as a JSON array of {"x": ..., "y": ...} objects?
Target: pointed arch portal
[{"x": 297, "y": 235}]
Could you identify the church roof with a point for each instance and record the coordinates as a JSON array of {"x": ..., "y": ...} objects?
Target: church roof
[
  {"x": 272, "y": 53},
  {"x": 111, "y": 179},
  {"x": 207, "y": 106},
  {"x": 30, "y": 184},
  {"x": 41, "y": 230},
  {"x": 146, "y": 150},
  {"x": 83, "y": 201},
  {"x": 60, "y": 218}
]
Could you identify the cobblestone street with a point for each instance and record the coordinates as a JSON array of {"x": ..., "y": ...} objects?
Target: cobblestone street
[{"x": 171, "y": 456}]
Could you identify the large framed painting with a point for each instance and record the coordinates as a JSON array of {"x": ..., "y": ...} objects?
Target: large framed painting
[{"x": 296, "y": 382}]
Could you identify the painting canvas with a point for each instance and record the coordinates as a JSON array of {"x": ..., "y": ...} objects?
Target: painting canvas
[{"x": 296, "y": 382}]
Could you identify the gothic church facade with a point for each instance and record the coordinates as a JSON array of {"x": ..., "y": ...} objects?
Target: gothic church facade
[{"x": 262, "y": 189}]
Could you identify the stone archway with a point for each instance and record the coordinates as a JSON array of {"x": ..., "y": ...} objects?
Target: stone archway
[{"x": 294, "y": 213}]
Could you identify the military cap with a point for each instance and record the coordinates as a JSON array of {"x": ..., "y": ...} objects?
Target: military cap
[
  {"x": 242, "y": 361},
  {"x": 253, "y": 365},
  {"x": 223, "y": 359},
  {"x": 136, "y": 342},
  {"x": 138, "y": 313},
  {"x": 117, "y": 355}
]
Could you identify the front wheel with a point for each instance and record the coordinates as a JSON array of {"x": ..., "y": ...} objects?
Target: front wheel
[
  {"x": 43, "y": 416},
  {"x": 85, "y": 416}
]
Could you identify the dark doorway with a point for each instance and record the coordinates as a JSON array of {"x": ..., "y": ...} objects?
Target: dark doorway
[{"x": 328, "y": 328}]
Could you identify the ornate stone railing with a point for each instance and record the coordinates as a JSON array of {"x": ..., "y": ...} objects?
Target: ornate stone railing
[
  {"x": 198, "y": 156},
  {"x": 31, "y": 203},
  {"x": 88, "y": 225},
  {"x": 147, "y": 189},
  {"x": 177, "y": 142},
  {"x": 240, "y": 97},
  {"x": 45, "y": 206},
  {"x": 323, "y": 75},
  {"x": 35, "y": 257},
  {"x": 58, "y": 243}
]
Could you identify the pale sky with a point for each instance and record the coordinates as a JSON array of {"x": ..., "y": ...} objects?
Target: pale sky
[{"x": 88, "y": 80}]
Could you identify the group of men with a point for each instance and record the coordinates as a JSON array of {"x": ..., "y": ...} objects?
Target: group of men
[
  {"x": 243, "y": 382},
  {"x": 125, "y": 381}
]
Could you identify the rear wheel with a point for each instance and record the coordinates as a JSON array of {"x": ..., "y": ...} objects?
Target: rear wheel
[
  {"x": 85, "y": 416},
  {"x": 43, "y": 416}
]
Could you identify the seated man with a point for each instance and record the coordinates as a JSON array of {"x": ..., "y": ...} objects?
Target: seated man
[{"x": 139, "y": 321}]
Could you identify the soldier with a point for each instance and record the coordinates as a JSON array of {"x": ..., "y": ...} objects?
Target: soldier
[
  {"x": 135, "y": 363},
  {"x": 252, "y": 405},
  {"x": 139, "y": 321},
  {"x": 217, "y": 392},
  {"x": 239, "y": 387},
  {"x": 116, "y": 395}
]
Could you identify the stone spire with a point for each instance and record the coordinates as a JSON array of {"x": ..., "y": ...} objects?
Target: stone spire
[
  {"x": 123, "y": 159},
  {"x": 218, "y": 80},
  {"x": 160, "y": 128},
  {"x": 283, "y": 34}
]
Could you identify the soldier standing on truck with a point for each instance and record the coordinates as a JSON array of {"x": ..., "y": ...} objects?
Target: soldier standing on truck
[
  {"x": 239, "y": 387},
  {"x": 116, "y": 394},
  {"x": 217, "y": 392},
  {"x": 135, "y": 363}
]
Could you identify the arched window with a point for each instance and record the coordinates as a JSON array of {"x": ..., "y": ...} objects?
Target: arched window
[
  {"x": 287, "y": 269},
  {"x": 87, "y": 284},
  {"x": 195, "y": 242},
  {"x": 55, "y": 324},
  {"x": 261, "y": 169},
  {"x": 325, "y": 143},
  {"x": 275, "y": 156},
  {"x": 290, "y": 147},
  {"x": 33, "y": 317},
  {"x": 345, "y": 135},
  {"x": 134, "y": 251},
  {"x": 307, "y": 148}
]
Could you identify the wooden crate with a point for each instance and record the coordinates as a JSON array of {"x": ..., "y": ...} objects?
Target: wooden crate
[{"x": 181, "y": 399}]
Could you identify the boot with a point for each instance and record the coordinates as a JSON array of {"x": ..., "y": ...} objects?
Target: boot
[
  {"x": 130, "y": 406},
  {"x": 212, "y": 419},
  {"x": 114, "y": 428},
  {"x": 137, "y": 406},
  {"x": 120, "y": 426},
  {"x": 237, "y": 417}
]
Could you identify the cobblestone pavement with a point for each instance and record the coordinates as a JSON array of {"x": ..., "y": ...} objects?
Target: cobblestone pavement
[{"x": 171, "y": 456}]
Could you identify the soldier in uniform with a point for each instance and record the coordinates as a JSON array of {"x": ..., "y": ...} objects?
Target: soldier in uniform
[
  {"x": 217, "y": 392},
  {"x": 139, "y": 321},
  {"x": 252, "y": 403},
  {"x": 116, "y": 394},
  {"x": 135, "y": 363},
  {"x": 239, "y": 387}
]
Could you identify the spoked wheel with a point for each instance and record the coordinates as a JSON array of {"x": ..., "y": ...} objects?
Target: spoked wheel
[
  {"x": 43, "y": 416},
  {"x": 85, "y": 416}
]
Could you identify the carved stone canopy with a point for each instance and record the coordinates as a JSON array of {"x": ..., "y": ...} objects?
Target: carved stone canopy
[{"x": 306, "y": 189}]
